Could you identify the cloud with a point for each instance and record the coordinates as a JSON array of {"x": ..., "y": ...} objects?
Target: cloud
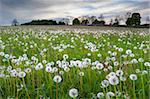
[{"x": 27, "y": 10}]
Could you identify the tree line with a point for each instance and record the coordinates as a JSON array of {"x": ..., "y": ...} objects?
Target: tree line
[{"x": 132, "y": 20}]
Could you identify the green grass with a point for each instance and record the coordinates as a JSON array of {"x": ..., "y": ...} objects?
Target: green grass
[{"x": 39, "y": 83}]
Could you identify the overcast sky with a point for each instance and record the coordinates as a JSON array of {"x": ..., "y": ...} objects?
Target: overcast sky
[{"x": 27, "y": 10}]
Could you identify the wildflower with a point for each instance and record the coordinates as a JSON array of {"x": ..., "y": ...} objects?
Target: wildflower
[
  {"x": 100, "y": 95},
  {"x": 147, "y": 64},
  {"x": 99, "y": 55},
  {"x": 119, "y": 72},
  {"x": 81, "y": 74},
  {"x": 21, "y": 74},
  {"x": 128, "y": 52},
  {"x": 65, "y": 56},
  {"x": 113, "y": 80},
  {"x": 57, "y": 79},
  {"x": 120, "y": 49},
  {"x": 110, "y": 94},
  {"x": 133, "y": 76},
  {"x": 141, "y": 60},
  {"x": 48, "y": 69},
  {"x": 99, "y": 66},
  {"x": 73, "y": 93},
  {"x": 27, "y": 70},
  {"x": 116, "y": 63},
  {"x": 122, "y": 78},
  {"x": 105, "y": 83},
  {"x": 39, "y": 66}
]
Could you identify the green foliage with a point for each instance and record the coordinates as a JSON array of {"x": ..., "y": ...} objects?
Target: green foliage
[
  {"x": 135, "y": 20},
  {"x": 76, "y": 21}
]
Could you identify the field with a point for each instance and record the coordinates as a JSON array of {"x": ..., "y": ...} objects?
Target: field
[{"x": 72, "y": 62}]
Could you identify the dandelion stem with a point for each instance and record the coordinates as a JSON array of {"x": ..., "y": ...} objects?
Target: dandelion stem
[
  {"x": 134, "y": 90},
  {"x": 26, "y": 88},
  {"x": 56, "y": 90}
]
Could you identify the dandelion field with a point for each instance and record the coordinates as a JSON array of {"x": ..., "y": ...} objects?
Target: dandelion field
[{"x": 78, "y": 63}]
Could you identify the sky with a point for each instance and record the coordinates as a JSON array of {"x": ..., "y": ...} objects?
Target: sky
[{"x": 27, "y": 10}]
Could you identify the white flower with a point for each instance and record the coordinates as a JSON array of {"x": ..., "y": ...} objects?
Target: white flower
[
  {"x": 116, "y": 63},
  {"x": 105, "y": 83},
  {"x": 141, "y": 60},
  {"x": 128, "y": 52},
  {"x": 100, "y": 95},
  {"x": 57, "y": 79},
  {"x": 99, "y": 55},
  {"x": 48, "y": 69},
  {"x": 137, "y": 71},
  {"x": 27, "y": 70},
  {"x": 39, "y": 66},
  {"x": 144, "y": 72},
  {"x": 21, "y": 74},
  {"x": 112, "y": 74},
  {"x": 65, "y": 56},
  {"x": 120, "y": 49},
  {"x": 133, "y": 76},
  {"x": 147, "y": 64},
  {"x": 99, "y": 66},
  {"x": 134, "y": 61},
  {"x": 89, "y": 54},
  {"x": 73, "y": 93},
  {"x": 119, "y": 72},
  {"x": 122, "y": 78},
  {"x": 113, "y": 80},
  {"x": 81, "y": 73},
  {"x": 110, "y": 94},
  {"x": 44, "y": 61}
]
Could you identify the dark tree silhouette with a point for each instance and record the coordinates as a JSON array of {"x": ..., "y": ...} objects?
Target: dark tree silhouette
[
  {"x": 111, "y": 22},
  {"x": 15, "y": 22},
  {"x": 116, "y": 23},
  {"x": 85, "y": 22},
  {"x": 76, "y": 21},
  {"x": 98, "y": 23},
  {"x": 61, "y": 23},
  {"x": 41, "y": 22},
  {"x": 101, "y": 17},
  {"x": 135, "y": 20}
]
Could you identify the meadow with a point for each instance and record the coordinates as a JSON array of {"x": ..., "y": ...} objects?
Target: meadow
[{"x": 42, "y": 62}]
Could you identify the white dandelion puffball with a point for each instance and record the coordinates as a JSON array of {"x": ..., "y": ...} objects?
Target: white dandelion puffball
[
  {"x": 39, "y": 66},
  {"x": 110, "y": 94},
  {"x": 119, "y": 72},
  {"x": 100, "y": 95},
  {"x": 99, "y": 66},
  {"x": 113, "y": 80},
  {"x": 21, "y": 74},
  {"x": 57, "y": 79},
  {"x": 133, "y": 76},
  {"x": 105, "y": 83},
  {"x": 48, "y": 69},
  {"x": 73, "y": 93}
]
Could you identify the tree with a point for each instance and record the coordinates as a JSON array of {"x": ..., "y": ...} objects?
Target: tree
[
  {"x": 85, "y": 22},
  {"x": 76, "y": 21},
  {"x": 101, "y": 17},
  {"x": 61, "y": 23},
  {"x": 15, "y": 22},
  {"x": 98, "y": 23},
  {"x": 135, "y": 20},
  {"x": 129, "y": 22},
  {"x": 116, "y": 23},
  {"x": 92, "y": 19},
  {"x": 65, "y": 20},
  {"x": 111, "y": 22}
]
